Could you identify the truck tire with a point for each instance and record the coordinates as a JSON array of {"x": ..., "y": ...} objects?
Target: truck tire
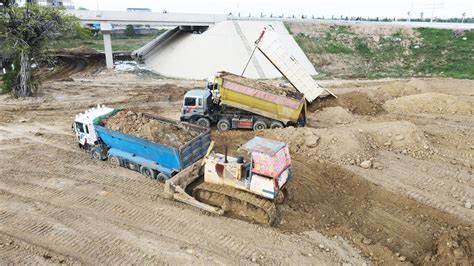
[
  {"x": 96, "y": 154},
  {"x": 149, "y": 173},
  {"x": 223, "y": 125},
  {"x": 203, "y": 122},
  {"x": 161, "y": 177},
  {"x": 276, "y": 124},
  {"x": 259, "y": 125},
  {"x": 114, "y": 160}
]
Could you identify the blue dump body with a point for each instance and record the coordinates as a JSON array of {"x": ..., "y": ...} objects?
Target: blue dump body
[{"x": 163, "y": 158}]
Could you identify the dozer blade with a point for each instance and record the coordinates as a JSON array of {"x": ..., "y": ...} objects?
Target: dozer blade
[
  {"x": 176, "y": 186},
  {"x": 186, "y": 176},
  {"x": 182, "y": 179},
  {"x": 183, "y": 197}
]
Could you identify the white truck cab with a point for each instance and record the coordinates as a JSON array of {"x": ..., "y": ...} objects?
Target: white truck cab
[{"x": 83, "y": 125}]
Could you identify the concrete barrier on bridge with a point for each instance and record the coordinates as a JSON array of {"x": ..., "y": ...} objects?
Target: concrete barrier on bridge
[
  {"x": 147, "y": 18},
  {"x": 224, "y": 46}
]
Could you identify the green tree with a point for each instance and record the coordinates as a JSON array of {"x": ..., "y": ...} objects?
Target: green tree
[
  {"x": 130, "y": 31},
  {"x": 27, "y": 31},
  {"x": 7, "y": 3}
]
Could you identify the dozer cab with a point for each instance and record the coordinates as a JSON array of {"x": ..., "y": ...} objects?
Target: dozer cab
[{"x": 247, "y": 188}]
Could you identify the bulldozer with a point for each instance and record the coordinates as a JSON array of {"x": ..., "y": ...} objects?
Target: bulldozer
[{"x": 246, "y": 188}]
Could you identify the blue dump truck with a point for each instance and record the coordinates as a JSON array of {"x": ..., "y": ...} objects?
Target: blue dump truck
[{"x": 158, "y": 158}]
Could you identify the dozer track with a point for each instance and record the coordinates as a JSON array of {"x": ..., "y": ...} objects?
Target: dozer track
[{"x": 237, "y": 203}]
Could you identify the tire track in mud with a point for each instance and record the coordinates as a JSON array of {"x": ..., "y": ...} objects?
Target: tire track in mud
[
  {"x": 174, "y": 224},
  {"x": 449, "y": 154},
  {"x": 24, "y": 133},
  {"x": 443, "y": 187},
  {"x": 135, "y": 190},
  {"x": 70, "y": 234},
  {"x": 15, "y": 251},
  {"x": 74, "y": 182},
  {"x": 75, "y": 234}
]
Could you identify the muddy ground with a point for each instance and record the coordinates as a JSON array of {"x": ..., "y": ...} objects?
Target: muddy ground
[{"x": 383, "y": 175}]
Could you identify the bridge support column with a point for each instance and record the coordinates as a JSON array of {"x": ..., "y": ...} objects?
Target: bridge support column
[{"x": 106, "y": 29}]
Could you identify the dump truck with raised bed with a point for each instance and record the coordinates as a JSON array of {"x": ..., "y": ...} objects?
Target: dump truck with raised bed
[
  {"x": 182, "y": 155},
  {"x": 232, "y": 101},
  {"x": 154, "y": 146}
]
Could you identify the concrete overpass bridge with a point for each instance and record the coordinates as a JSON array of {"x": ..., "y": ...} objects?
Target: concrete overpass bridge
[
  {"x": 181, "y": 23},
  {"x": 147, "y": 18},
  {"x": 185, "y": 21}
]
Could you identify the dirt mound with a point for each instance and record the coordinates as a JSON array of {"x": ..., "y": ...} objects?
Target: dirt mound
[
  {"x": 142, "y": 126},
  {"x": 356, "y": 142},
  {"x": 329, "y": 117},
  {"x": 451, "y": 249},
  {"x": 335, "y": 201},
  {"x": 393, "y": 90},
  {"x": 400, "y": 137},
  {"x": 333, "y": 144},
  {"x": 431, "y": 102},
  {"x": 356, "y": 102}
]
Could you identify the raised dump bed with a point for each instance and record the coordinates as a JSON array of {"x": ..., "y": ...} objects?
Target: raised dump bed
[{"x": 281, "y": 104}]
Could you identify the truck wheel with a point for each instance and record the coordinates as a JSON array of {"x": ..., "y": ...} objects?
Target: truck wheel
[
  {"x": 223, "y": 125},
  {"x": 161, "y": 177},
  {"x": 259, "y": 125},
  {"x": 114, "y": 160},
  {"x": 276, "y": 124},
  {"x": 203, "y": 122},
  {"x": 149, "y": 173},
  {"x": 96, "y": 154}
]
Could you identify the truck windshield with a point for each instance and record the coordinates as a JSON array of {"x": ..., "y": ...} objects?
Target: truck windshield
[
  {"x": 190, "y": 101},
  {"x": 79, "y": 127}
]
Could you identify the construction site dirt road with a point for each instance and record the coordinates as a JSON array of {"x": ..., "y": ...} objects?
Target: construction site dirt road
[{"x": 382, "y": 174}]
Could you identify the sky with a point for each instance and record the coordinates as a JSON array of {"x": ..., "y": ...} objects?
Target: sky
[{"x": 318, "y": 8}]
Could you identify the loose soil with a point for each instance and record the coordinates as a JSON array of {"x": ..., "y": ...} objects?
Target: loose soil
[
  {"x": 142, "y": 126},
  {"x": 329, "y": 117},
  {"x": 356, "y": 102},
  {"x": 359, "y": 141},
  {"x": 337, "y": 202},
  {"x": 431, "y": 102},
  {"x": 287, "y": 91},
  {"x": 393, "y": 90}
]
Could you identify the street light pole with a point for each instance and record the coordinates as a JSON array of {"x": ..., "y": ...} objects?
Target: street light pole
[{"x": 433, "y": 7}]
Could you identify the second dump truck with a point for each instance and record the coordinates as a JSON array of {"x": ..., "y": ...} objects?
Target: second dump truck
[{"x": 231, "y": 101}]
